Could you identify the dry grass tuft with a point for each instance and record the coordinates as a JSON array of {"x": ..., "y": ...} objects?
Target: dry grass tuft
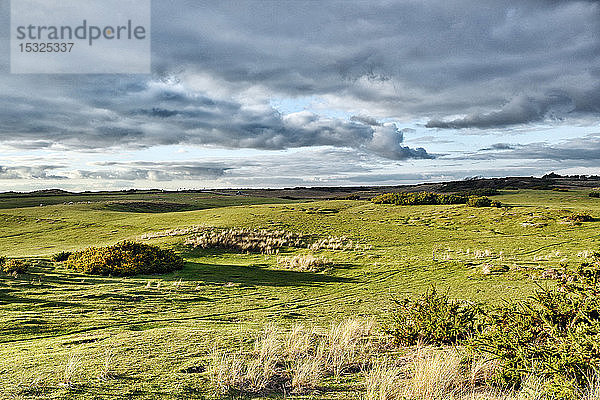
[
  {"x": 294, "y": 361},
  {"x": 246, "y": 240},
  {"x": 305, "y": 263},
  {"x": 383, "y": 382},
  {"x": 71, "y": 370}
]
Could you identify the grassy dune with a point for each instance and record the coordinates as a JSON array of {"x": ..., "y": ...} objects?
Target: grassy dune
[{"x": 68, "y": 335}]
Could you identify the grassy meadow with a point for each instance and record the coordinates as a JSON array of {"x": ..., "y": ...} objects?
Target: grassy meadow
[{"x": 66, "y": 335}]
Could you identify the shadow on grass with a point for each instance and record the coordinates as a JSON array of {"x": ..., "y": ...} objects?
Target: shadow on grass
[{"x": 254, "y": 275}]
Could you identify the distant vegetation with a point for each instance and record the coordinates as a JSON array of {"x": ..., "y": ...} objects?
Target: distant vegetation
[
  {"x": 419, "y": 198},
  {"x": 125, "y": 258},
  {"x": 429, "y": 198},
  {"x": 594, "y": 194}
]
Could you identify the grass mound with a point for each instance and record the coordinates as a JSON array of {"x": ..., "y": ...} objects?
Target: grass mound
[{"x": 125, "y": 258}]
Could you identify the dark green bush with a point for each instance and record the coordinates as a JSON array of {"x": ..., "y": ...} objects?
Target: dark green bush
[
  {"x": 125, "y": 258},
  {"x": 419, "y": 198},
  {"x": 555, "y": 334},
  {"x": 62, "y": 256},
  {"x": 496, "y": 203},
  {"x": 477, "y": 201},
  {"x": 435, "y": 319},
  {"x": 594, "y": 194},
  {"x": 2, "y": 261},
  {"x": 14, "y": 266},
  {"x": 580, "y": 217}
]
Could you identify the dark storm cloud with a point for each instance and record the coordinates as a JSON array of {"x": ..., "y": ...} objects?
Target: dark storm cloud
[
  {"x": 499, "y": 146},
  {"x": 165, "y": 112},
  {"x": 154, "y": 171},
  {"x": 520, "y": 110},
  {"x": 586, "y": 148},
  {"x": 493, "y": 63}
]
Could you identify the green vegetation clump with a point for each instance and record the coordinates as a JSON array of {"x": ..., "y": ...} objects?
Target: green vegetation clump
[
  {"x": 554, "y": 334},
  {"x": 2, "y": 261},
  {"x": 14, "y": 266},
  {"x": 435, "y": 319},
  {"x": 61, "y": 256},
  {"x": 594, "y": 194},
  {"x": 419, "y": 198},
  {"x": 125, "y": 258},
  {"x": 479, "y": 201},
  {"x": 580, "y": 217}
]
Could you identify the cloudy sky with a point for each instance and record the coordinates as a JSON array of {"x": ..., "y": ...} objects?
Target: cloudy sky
[{"x": 293, "y": 93}]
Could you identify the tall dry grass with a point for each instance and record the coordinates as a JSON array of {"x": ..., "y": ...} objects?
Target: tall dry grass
[
  {"x": 305, "y": 263},
  {"x": 296, "y": 360}
]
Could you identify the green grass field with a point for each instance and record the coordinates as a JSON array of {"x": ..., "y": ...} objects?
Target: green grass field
[{"x": 158, "y": 328}]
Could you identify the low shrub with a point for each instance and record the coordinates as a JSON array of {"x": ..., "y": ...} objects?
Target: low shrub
[
  {"x": 435, "y": 319},
  {"x": 553, "y": 335},
  {"x": 419, "y": 198},
  {"x": 14, "y": 266},
  {"x": 579, "y": 217},
  {"x": 594, "y": 194},
  {"x": 2, "y": 261},
  {"x": 496, "y": 203},
  {"x": 479, "y": 201},
  {"x": 125, "y": 258},
  {"x": 62, "y": 256}
]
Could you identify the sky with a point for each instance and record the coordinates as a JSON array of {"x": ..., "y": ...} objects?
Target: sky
[{"x": 309, "y": 93}]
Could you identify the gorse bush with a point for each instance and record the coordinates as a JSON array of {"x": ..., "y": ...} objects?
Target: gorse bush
[
  {"x": 476, "y": 201},
  {"x": 62, "y": 256},
  {"x": 435, "y": 319},
  {"x": 555, "y": 334},
  {"x": 482, "y": 201},
  {"x": 125, "y": 258},
  {"x": 594, "y": 194},
  {"x": 419, "y": 198},
  {"x": 429, "y": 198},
  {"x": 14, "y": 266}
]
